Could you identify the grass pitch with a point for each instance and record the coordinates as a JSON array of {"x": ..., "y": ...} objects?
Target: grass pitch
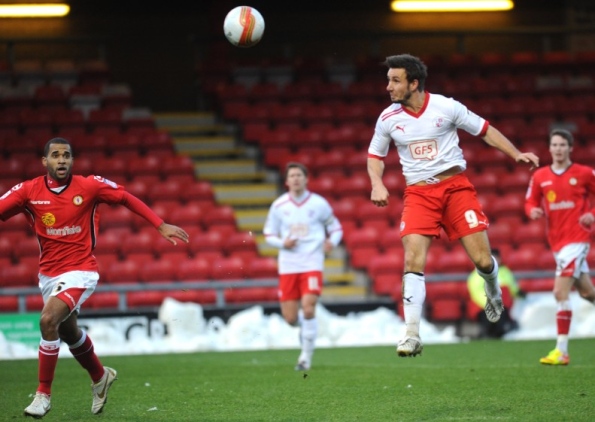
[{"x": 477, "y": 381}]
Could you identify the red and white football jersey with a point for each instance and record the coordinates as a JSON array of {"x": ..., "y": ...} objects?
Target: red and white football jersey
[
  {"x": 564, "y": 198},
  {"x": 427, "y": 141},
  {"x": 309, "y": 219},
  {"x": 66, "y": 223}
]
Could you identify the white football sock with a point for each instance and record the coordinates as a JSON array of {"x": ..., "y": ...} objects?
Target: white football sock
[
  {"x": 491, "y": 280},
  {"x": 309, "y": 332},
  {"x": 414, "y": 295}
]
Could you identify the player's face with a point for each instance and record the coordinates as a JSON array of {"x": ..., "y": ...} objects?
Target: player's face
[
  {"x": 399, "y": 88},
  {"x": 559, "y": 149},
  {"x": 296, "y": 180},
  {"x": 59, "y": 161}
]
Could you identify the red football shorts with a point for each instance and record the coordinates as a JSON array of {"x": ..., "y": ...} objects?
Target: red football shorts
[
  {"x": 294, "y": 286},
  {"x": 451, "y": 204}
]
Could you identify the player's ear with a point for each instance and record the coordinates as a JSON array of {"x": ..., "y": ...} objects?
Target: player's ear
[{"x": 44, "y": 162}]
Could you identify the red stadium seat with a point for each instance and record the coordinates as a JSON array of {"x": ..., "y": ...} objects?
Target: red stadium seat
[
  {"x": 386, "y": 271},
  {"x": 113, "y": 168},
  {"x": 159, "y": 270},
  {"x": 251, "y": 295},
  {"x": 240, "y": 241},
  {"x": 122, "y": 272},
  {"x": 207, "y": 241},
  {"x": 103, "y": 300},
  {"x": 361, "y": 256},
  {"x": 9, "y": 304},
  {"x": 511, "y": 205},
  {"x": 199, "y": 191},
  {"x": 220, "y": 215},
  {"x": 34, "y": 303},
  {"x": 445, "y": 310},
  {"x": 196, "y": 269},
  {"x": 363, "y": 237},
  {"x": 186, "y": 215},
  {"x": 526, "y": 258},
  {"x": 536, "y": 284},
  {"x": 231, "y": 268},
  {"x": 195, "y": 296},
  {"x": 142, "y": 165},
  {"x": 167, "y": 190},
  {"x": 356, "y": 186},
  {"x": 262, "y": 267},
  {"x": 177, "y": 165},
  {"x": 18, "y": 275},
  {"x": 138, "y": 242},
  {"x": 390, "y": 239},
  {"x": 108, "y": 242},
  {"x": 454, "y": 261},
  {"x": 27, "y": 246},
  {"x": 145, "y": 299},
  {"x": 532, "y": 232}
]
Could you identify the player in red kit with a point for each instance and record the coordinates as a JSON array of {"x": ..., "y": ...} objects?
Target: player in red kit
[
  {"x": 561, "y": 192},
  {"x": 62, "y": 209}
]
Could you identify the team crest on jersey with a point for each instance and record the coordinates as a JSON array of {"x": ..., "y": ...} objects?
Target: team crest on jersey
[
  {"x": 48, "y": 219},
  {"x": 551, "y": 196},
  {"x": 77, "y": 200},
  {"x": 572, "y": 181},
  {"x": 439, "y": 122}
]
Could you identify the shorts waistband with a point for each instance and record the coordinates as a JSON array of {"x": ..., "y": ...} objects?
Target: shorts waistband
[{"x": 446, "y": 174}]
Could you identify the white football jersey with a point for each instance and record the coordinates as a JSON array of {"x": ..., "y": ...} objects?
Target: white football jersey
[
  {"x": 427, "y": 142},
  {"x": 309, "y": 219}
]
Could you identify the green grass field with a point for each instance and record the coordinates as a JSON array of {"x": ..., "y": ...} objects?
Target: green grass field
[{"x": 477, "y": 381}]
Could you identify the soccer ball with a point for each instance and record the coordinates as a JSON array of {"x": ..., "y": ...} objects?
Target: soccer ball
[{"x": 243, "y": 26}]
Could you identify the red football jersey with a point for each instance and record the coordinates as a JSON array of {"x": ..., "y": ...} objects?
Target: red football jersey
[
  {"x": 564, "y": 198},
  {"x": 67, "y": 223}
]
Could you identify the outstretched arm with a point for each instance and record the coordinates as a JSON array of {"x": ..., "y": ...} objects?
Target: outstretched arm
[{"x": 495, "y": 138}]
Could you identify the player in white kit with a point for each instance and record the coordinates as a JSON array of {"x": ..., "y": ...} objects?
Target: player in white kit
[
  {"x": 304, "y": 228},
  {"x": 423, "y": 127}
]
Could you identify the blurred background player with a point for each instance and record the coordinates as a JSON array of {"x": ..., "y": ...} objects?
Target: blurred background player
[
  {"x": 62, "y": 209},
  {"x": 438, "y": 195},
  {"x": 560, "y": 192},
  {"x": 302, "y": 225},
  {"x": 510, "y": 292}
]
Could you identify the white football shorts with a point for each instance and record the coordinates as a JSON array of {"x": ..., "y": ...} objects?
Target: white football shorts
[{"x": 571, "y": 260}]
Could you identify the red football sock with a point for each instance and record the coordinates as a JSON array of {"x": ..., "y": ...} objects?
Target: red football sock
[
  {"x": 563, "y": 319},
  {"x": 48, "y": 359},
  {"x": 84, "y": 353}
]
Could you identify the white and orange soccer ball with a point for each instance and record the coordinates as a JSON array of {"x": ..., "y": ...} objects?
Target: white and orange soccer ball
[{"x": 243, "y": 26}]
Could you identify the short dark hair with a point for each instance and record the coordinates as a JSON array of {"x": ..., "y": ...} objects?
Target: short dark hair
[
  {"x": 62, "y": 141},
  {"x": 295, "y": 165},
  {"x": 566, "y": 134},
  {"x": 414, "y": 68}
]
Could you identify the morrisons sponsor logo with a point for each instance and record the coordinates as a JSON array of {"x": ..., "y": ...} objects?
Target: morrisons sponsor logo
[
  {"x": 64, "y": 231},
  {"x": 563, "y": 205}
]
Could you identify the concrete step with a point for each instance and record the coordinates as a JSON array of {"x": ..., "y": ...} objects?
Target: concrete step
[
  {"x": 240, "y": 170},
  {"x": 330, "y": 292},
  {"x": 252, "y": 220},
  {"x": 189, "y": 122},
  {"x": 207, "y": 147},
  {"x": 261, "y": 194}
]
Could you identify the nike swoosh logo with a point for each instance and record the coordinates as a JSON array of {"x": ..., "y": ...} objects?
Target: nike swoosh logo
[{"x": 102, "y": 394}]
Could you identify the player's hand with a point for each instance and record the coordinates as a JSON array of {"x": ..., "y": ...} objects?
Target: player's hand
[
  {"x": 379, "y": 196},
  {"x": 328, "y": 246},
  {"x": 170, "y": 232},
  {"x": 536, "y": 213},
  {"x": 290, "y": 242},
  {"x": 529, "y": 158},
  {"x": 586, "y": 220}
]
